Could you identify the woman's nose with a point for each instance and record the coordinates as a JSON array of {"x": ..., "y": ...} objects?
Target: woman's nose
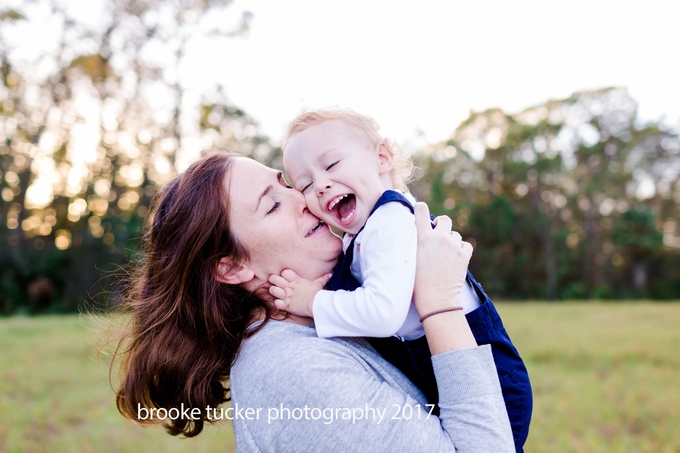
[{"x": 300, "y": 203}]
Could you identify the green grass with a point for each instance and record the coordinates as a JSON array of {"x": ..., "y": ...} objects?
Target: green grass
[
  {"x": 606, "y": 378},
  {"x": 55, "y": 396}
]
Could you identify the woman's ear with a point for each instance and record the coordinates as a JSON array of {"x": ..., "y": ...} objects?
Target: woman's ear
[
  {"x": 232, "y": 274},
  {"x": 385, "y": 158}
]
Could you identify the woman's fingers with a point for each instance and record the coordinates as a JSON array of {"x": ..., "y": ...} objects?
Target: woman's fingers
[
  {"x": 467, "y": 248},
  {"x": 422, "y": 213},
  {"x": 443, "y": 223}
]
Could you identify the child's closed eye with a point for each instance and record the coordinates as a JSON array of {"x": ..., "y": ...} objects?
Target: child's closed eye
[{"x": 332, "y": 165}]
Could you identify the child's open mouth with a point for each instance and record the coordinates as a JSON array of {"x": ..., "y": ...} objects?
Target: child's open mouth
[{"x": 343, "y": 207}]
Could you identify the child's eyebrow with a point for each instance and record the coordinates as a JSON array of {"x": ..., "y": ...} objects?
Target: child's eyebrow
[{"x": 323, "y": 153}]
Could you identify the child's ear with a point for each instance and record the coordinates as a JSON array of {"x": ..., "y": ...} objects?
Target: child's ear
[
  {"x": 385, "y": 158},
  {"x": 232, "y": 274}
]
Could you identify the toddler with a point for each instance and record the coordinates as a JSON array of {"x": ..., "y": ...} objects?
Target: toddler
[{"x": 354, "y": 180}]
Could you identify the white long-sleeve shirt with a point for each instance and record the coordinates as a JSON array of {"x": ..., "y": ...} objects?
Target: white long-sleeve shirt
[{"x": 384, "y": 263}]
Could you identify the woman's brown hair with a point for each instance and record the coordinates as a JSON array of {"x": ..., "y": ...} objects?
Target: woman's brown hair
[{"x": 185, "y": 327}]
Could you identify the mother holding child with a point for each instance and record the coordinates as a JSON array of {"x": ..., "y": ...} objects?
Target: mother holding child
[{"x": 400, "y": 351}]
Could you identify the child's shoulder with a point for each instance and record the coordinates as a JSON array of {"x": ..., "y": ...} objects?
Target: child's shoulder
[
  {"x": 391, "y": 216},
  {"x": 393, "y": 202}
]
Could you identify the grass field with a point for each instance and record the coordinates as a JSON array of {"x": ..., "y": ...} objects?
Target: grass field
[{"x": 606, "y": 378}]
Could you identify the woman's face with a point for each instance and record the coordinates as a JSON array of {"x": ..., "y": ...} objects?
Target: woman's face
[{"x": 272, "y": 222}]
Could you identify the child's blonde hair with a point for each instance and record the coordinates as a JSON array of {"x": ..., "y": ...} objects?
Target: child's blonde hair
[{"x": 402, "y": 171}]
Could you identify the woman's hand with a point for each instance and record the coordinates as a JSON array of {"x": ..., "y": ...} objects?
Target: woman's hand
[
  {"x": 441, "y": 263},
  {"x": 441, "y": 267}
]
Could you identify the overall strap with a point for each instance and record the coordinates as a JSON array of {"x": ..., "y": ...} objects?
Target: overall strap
[
  {"x": 342, "y": 275},
  {"x": 343, "y": 279}
]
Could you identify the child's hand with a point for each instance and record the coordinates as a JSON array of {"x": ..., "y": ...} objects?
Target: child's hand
[{"x": 295, "y": 294}]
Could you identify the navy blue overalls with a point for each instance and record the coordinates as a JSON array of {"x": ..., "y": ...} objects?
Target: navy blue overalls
[{"x": 413, "y": 357}]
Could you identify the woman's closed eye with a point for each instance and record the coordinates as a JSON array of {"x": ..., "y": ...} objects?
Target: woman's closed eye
[{"x": 274, "y": 208}]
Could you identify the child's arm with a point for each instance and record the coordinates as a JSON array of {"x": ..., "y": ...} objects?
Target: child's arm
[{"x": 387, "y": 263}]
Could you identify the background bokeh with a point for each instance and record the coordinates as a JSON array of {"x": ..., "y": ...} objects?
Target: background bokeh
[
  {"x": 576, "y": 197},
  {"x": 572, "y": 198}
]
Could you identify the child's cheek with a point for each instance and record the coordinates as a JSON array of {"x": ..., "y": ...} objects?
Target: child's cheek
[{"x": 314, "y": 208}]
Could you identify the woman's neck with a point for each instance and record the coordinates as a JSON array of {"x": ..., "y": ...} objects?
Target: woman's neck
[
  {"x": 281, "y": 316},
  {"x": 302, "y": 320}
]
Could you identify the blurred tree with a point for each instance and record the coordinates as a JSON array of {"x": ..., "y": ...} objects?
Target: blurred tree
[
  {"x": 545, "y": 188},
  {"x": 637, "y": 238},
  {"x": 90, "y": 122}
]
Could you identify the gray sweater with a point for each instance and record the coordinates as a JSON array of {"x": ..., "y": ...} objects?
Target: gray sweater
[{"x": 295, "y": 392}]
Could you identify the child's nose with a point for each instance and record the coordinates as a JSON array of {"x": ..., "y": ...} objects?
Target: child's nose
[{"x": 322, "y": 187}]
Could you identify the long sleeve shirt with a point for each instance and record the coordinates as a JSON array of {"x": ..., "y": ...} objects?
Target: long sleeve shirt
[
  {"x": 311, "y": 394},
  {"x": 384, "y": 262}
]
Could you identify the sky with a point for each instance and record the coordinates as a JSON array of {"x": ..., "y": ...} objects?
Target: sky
[{"x": 419, "y": 67}]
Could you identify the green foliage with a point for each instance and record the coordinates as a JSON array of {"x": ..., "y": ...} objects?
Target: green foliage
[
  {"x": 11, "y": 15},
  {"x": 76, "y": 183},
  {"x": 572, "y": 198},
  {"x": 637, "y": 231}
]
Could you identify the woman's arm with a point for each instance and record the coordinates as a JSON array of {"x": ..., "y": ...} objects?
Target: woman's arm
[
  {"x": 442, "y": 262},
  {"x": 341, "y": 378},
  {"x": 441, "y": 266},
  {"x": 339, "y": 395}
]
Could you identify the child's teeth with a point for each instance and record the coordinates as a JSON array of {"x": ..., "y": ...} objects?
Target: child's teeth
[
  {"x": 336, "y": 201},
  {"x": 347, "y": 216}
]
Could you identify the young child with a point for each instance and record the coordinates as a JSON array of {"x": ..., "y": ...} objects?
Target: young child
[{"x": 348, "y": 174}]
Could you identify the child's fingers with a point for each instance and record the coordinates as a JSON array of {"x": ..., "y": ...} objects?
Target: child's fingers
[
  {"x": 280, "y": 304},
  {"x": 289, "y": 275},
  {"x": 323, "y": 279},
  {"x": 277, "y": 280},
  {"x": 277, "y": 292}
]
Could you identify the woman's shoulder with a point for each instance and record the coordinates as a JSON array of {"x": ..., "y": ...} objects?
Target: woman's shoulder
[
  {"x": 285, "y": 347},
  {"x": 281, "y": 355}
]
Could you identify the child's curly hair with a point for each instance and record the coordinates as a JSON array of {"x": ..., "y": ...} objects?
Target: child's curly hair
[{"x": 402, "y": 172}]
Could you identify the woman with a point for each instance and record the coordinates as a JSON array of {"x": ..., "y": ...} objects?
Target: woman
[{"x": 201, "y": 315}]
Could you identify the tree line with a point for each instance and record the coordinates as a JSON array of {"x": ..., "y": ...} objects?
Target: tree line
[{"x": 573, "y": 198}]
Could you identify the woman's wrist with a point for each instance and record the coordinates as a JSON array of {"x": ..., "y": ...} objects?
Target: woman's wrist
[
  {"x": 441, "y": 310},
  {"x": 428, "y": 304},
  {"x": 448, "y": 331}
]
